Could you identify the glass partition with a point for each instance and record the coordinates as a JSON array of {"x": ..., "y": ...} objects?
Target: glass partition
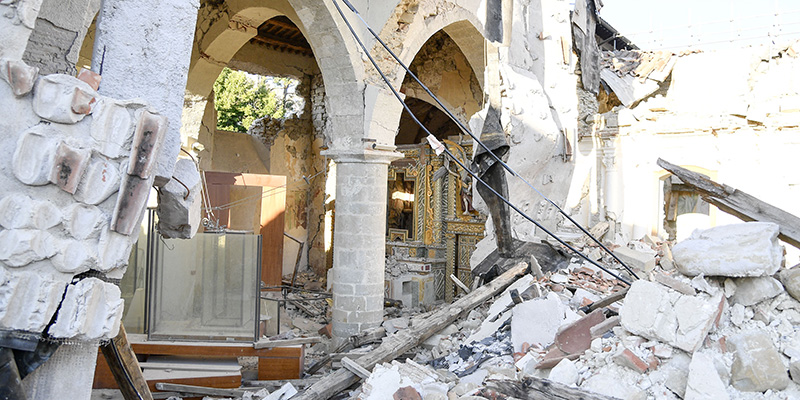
[{"x": 206, "y": 288}]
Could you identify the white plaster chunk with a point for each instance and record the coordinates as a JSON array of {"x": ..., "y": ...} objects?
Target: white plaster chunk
[
  {"x": 33, "y": 157},
  {"x": 27, "y": 300},
  {"x": 20, "y": 247},
  {"x": 100, "y": 181},
  {"x": 737, "y": 250},
  {"x": 179, "y": 202},
  {"x": 114, "y": 250},
  {"x": 757, "y": 365},
  {"x": 92, "y": 309},
  {"x": 112, "y": 128},
  {"x": 57, "y": 96},
  {"x": 750, "y": 291},
  {"x": 564, "y": 372},
  {"x": 76, "y": 257},
  {"x": 656, "y": 312},
  {"x": 46, "y": 215},
  {"x": 16, "y": 211},
  {"x": 83, "y": 221},
  {"x": 703, "y": 381},
  {"x": 537, "y": 321},
  {"x": 635, "y": 259}
]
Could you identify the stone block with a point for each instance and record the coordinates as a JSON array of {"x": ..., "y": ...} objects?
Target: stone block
[
  {"x": 131, "y": 200},
  {"x": 750, "y": 291},
  {"x": 703, "y": 380},
  {"x": 75, "y": 257},
  {"x": 148, "y": 138},
  {"x": 83, "y": 221},
  {"x": 56, "y": 97},
  {"x": 19, "y": 76},
  {"x": 17, "y": 309},
  {"x": 69, "y": 163},
  {"x": 757, "y": 365},
  {"x": 656, "y": 312},
  {"x": 738, "y": 250},
  {"x": 179, "y": 202},
  {"x": 537, "y": 321},
  {"x": 112, "y": 128},
  {"x": 635, "y": 259},
  {"x": 16, "y": 211},
  {"x": 675, "y": 284},
  {"x": 92, "y": 78},
  {"x": 794, "y": 370},
  {"x": 603, "y": 327},
  {"x": 20, "y": 247},
  {"x": 32, "y": 161},
  {"x": 114, "y": 250},
  {"x": 92, "y": 309},
  {"x": 791, "y": 281},
  {"x": 45, "y": 215},
  {"x": 564, "y": 372},
  {"x": 100, "y": 180}
]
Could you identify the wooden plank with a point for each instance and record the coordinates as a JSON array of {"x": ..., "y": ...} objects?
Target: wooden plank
[
  {"x": 299, "y": 384},
  {"x": 223, "y": 381},
  {"x": 271, "y": 368},
  {"x": 537, "y": 388},
  {"x": 213, "y": 350},
  {"x": 208, "y": 391},
  {"x": 267, "y": 344},
  {"x": 124, "y": 366},
  {"x": 738, "y": 203},
  {"x": 404, "y": 340}
]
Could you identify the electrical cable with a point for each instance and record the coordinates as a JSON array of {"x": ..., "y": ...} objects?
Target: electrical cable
[
  {"x": 477, "y": 140},
  {"x": 451, "y": 155}
]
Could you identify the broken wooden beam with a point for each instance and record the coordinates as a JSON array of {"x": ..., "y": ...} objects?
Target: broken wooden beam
[
  {"x": 300, "y": 384},
  {"x": 738, "y": 203},
  {"x": 418, "y": 332},
  {"x": 268, "y": 344},
  {"x": 537, "y": 388},
  {"x": 125, "y": 367},
  {"x": 353, "y": 367},
  {"x": 201, "y": 390},
  {"x": 607, "y": 301}
]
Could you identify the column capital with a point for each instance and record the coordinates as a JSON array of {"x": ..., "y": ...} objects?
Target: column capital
[{"x": 362, "y": 156}]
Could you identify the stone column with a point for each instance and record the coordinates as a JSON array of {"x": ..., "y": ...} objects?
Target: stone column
[
  {"x": 359, "y": 239},
  {"x": 142, "y": 49}
]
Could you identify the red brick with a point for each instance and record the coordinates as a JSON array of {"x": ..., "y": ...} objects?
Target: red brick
[
  {"x": 626, "y": 358},
  {"x": 576, "y": 337},
  {"x": 90, "y": 77},
  {"x": 406, "y": 393}
]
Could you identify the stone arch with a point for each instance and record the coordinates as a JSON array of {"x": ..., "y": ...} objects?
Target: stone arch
[{"x": 334, "y": 52}]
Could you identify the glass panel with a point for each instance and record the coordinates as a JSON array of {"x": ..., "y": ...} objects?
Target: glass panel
[
  {"x": 133, "y": 283},
  {"x": 206, "y": 288}
]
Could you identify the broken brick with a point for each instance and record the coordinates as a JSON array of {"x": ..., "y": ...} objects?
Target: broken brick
[
  {"x": 147, "y": 140},
  {"x": 90, "y": 77},
  {"x": 21, "y": 77},
  {"x": 68, "y": 167},
  {"x": 576, "y": 337},
  {"x": 626, "y": 358},
  {"x": 406, "y": 393}
]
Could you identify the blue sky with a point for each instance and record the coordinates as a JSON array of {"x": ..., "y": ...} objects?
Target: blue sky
[{"x": 704, "y": 24}]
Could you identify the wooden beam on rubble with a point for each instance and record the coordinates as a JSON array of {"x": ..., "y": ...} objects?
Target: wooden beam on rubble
[
  {"x": 543, "y": 389},
  {"x": 738, "y": 203},
  {"x": 125, "y": 367},
  {"x": 406, "y": 339}
]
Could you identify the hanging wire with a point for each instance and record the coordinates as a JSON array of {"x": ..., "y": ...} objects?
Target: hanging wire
[
  {"x": 451, "y": 155},
  {"x": 465, "y": 129}
]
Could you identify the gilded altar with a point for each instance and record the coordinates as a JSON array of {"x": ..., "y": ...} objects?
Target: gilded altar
[{"x": 431, "y": 225}]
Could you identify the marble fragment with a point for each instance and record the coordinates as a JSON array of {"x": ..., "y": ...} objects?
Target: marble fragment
[
  {"x": 757, "y": 365},
  {"x": 68, "y": 167},
  {"x": 17, "y": 289},
  {"x": 738, "y": 250},
  {"x": 148, "y": 138},
  {"x": 20, "y": 247},
  {"x": 32, "y": 162},
  {"x": 91, "y": 310},
  {"x": 100, "y": 181},
  {"x": 750, "y": 291},
  {"x": 131, "y": 200},
  {"x": 791, "y": 281},
  {"x": 19, "y": 76},
  {"x": 55, "y": 98},
  {"x": 703, "y": 380},
  {"x": 112, "y": 128},
  {"x": 16, "y": 211}
]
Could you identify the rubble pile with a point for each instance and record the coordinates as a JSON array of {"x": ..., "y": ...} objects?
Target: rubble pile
[{"x": 714, "y": 318}]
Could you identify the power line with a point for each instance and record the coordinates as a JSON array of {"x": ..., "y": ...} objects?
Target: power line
[
  {"x": 451, "y": 155},
  {"x": 467, "y": 131}
]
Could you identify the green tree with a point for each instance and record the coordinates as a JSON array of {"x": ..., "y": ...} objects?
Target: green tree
[{"x": 240, "y": 99}]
